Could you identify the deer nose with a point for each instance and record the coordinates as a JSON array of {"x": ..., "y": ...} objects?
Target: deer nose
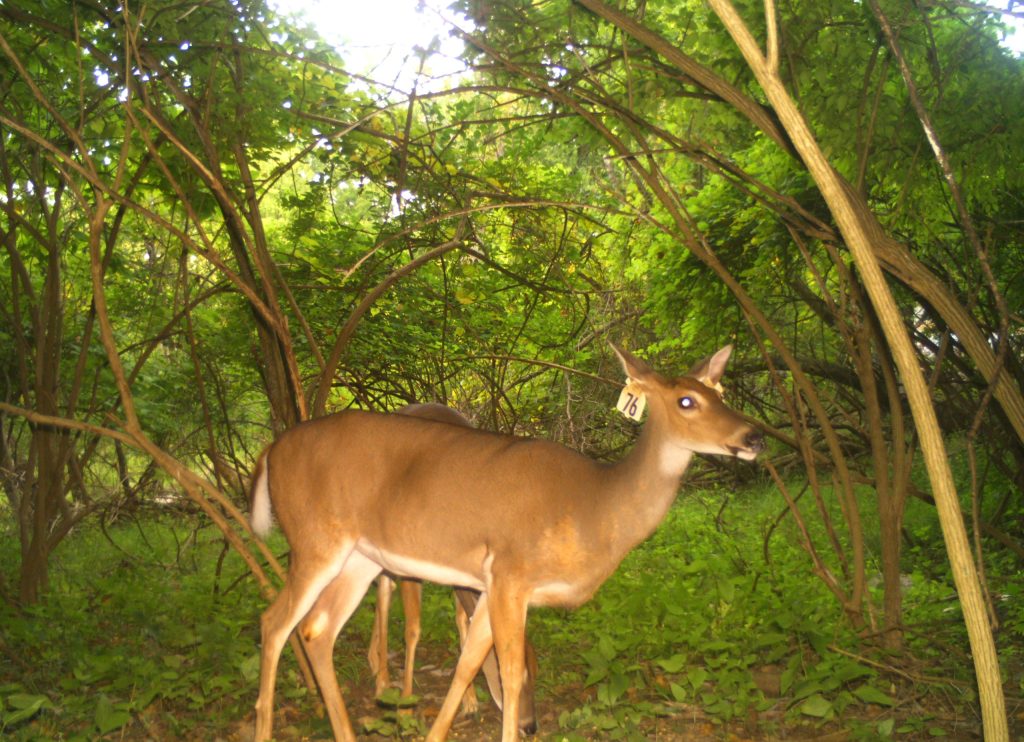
[{"x": 754, "y": 441}]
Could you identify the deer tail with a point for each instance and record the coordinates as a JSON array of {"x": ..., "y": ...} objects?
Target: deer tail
[{"x": 260, "y": 517}]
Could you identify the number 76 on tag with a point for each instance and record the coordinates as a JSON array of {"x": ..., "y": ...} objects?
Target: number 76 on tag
[{"x": 631, "y": 401}]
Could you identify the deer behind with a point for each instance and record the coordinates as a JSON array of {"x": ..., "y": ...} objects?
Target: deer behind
[
  {"x": 465, "y": 605},
  {"x": 524, "y": 522}
]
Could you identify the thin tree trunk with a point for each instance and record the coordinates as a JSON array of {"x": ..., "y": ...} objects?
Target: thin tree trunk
[{"x": 861, "y": 231}]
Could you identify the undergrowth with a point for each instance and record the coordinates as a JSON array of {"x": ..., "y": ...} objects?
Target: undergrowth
[
  {"x": 150, "y": 630},
  {"x": 138, "y": 630}
]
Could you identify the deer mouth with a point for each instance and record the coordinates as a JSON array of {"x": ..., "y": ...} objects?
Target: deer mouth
[{"x": 753, "y": 445}]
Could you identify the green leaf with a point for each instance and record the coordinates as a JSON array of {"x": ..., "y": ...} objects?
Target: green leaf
[
  {"x": 696, "y": 677},
  {"x": 145, "y": 697},
  {"x": 674, "y": 663},
  {"x": 373, "y": 725},
  {"x": 596, "y": 675},
  {"x": 108, "y": 717},
  {"x": 394, "y": 697},
  {"x": 25, "y": 700},
  {"x": 817, "y": 706},
  {"x": 25, "y": 706},
  {"x": 789, "y": 674},
  {"x": 870, "y": 694},
  {"x": 250, "y": 668},
  {"x": 806, "y": 688},
  {"x": 618, "y": 684},
  {"x": 851, "y": 670}
]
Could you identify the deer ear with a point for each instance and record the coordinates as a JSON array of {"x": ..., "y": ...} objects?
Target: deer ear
[
  {"x": 709, "y": 371},
  {"x": 633, "y": 366}
]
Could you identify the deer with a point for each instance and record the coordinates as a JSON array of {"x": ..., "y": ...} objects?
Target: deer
[
  {"x": 465, "y": 603},
  {"x": 523, "y": 521}
]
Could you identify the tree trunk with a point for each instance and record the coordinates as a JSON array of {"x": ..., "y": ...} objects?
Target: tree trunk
[
  {"x": 861, "y": 231},
  {"x": 43, "y": 496}
]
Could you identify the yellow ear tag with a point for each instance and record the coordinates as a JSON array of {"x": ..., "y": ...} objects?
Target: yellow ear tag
[{"x": 631, "y": 401}]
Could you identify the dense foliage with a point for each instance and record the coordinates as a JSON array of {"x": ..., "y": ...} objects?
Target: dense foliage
[{"x": 213, "y": 227}]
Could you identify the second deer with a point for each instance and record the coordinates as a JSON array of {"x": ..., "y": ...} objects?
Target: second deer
[
  {"x": 523, "y": 522},
  {"x": 465, "y": 604}
]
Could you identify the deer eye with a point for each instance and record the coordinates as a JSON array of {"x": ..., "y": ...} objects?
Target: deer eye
[{"x": 687, "y": 403}]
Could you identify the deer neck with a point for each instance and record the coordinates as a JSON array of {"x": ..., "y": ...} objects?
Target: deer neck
[{"x": 643, "y": 486}]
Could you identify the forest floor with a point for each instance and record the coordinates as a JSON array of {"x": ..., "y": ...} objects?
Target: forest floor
[
  {"x": 680, "y": 723},
  {"x": 151, "y": 631}
]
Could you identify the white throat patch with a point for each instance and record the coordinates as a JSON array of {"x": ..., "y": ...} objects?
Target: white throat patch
[{"x": 674, "y": 459}]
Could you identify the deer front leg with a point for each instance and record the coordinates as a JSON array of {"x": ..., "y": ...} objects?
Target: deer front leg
[
  {"x": 464, "y": 604},
  {"x": 478, "y": 643},
  {"x": 508, "y": 625}
]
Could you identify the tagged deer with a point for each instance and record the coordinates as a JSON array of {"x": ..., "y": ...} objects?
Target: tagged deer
[
  {"x": 465, "y": 604},
  {"x": 523, "y": 522}
]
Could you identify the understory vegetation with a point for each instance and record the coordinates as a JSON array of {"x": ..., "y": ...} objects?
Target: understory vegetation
[{"x": 713, "y": 627}]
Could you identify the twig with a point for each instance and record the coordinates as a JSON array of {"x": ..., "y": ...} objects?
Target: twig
[{"x": 914, "y": 677}]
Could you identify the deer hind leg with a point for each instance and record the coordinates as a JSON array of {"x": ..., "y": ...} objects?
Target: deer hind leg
[
  {"x": 465, "y": 602},
  {"x": 319, "y": 630},
  {"x": 412, "y": 596},
  {"x": 478, "y": 643},
  {"x": 305, "y": 582},
  {"x": 378, "y": 651}
]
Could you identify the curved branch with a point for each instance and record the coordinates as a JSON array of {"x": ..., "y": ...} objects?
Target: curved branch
[
  {"x": 323, "y": 387},
  {"x": 701, "y": 75}
]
